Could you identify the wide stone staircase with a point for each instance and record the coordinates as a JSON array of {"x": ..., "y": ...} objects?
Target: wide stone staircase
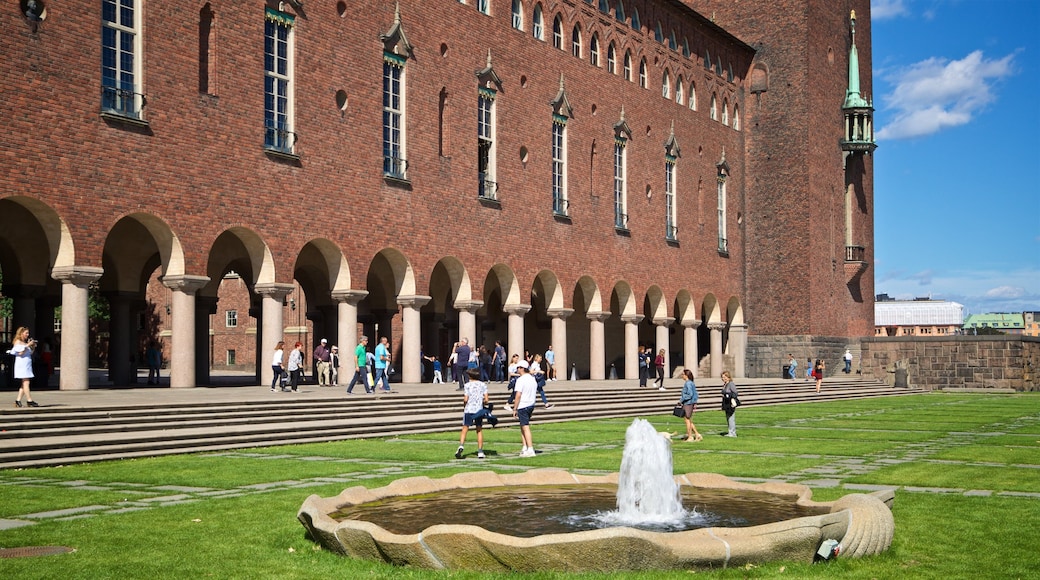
[{"x": 160, "y": 422}]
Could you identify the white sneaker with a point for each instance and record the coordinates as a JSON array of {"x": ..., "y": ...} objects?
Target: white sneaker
[
  {"x": 528, "y": 453},
  {"x": 660, "y": 388},
  {"x": 480, "y": 454},
  {"x": 507, "y": 408},
  {"x": 523, "y": 451}
]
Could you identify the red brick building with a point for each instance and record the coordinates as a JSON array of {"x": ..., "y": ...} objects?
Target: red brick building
[{"x": 594, "y": 175}]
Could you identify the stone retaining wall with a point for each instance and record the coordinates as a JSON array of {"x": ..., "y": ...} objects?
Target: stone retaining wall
[{"x": 955, "y": 362}]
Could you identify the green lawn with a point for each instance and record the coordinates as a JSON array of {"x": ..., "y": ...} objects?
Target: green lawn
[{"x": 233, "y": 514}]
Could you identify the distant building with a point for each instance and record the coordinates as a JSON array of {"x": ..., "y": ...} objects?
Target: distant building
[
  {"x": 918, "y": 317},
  {"x": 1007, "y": 323},
  {"x": 1032, "y": 321}
]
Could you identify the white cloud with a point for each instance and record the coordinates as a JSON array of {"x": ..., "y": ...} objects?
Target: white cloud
[
  {"x": 938, "y": 93},
  {"x": 980, "y": 291},
  {"x": 885, "y": 9}
]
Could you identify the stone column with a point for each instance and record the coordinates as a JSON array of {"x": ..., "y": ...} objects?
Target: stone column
[
  {"x": 75, "y": 324},
  {"x": 467, "y": 320},
  {"x": 348, "y": 335},
  {"x": 632, "y": 344},
  {"x": 738, "y": 346},
  {"x": 716, "y": 329},
  {"x": 119, "y": 337},
  {"x": 182, "y": 332},
  {"x": 690, "y": 359},
  {"x": 23, "y": 307},
  {"x": 516, "y": 314},
  {"x": 559, "y": 340},
  {"x": 272, "y": 326},
  {"x": 663, "y": 341},
  {"x": 597, "y": 348},
  {"x": 411, "y": 339}
]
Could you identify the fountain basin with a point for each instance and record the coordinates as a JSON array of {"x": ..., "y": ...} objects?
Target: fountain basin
[{"x": 861, "y": 523}]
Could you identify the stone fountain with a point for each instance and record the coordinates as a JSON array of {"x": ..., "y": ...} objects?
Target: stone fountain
[{"x": 857, "y": 524}]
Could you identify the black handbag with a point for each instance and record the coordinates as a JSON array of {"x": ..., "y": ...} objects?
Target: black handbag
[{"x": 678, "y": 410}]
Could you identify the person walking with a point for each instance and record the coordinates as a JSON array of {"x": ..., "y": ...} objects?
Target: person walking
[
  {"x": 818, "y": 373},
  {"x": 22, "y": 350},
  {"x": 462, "y": 354},
  {"x": 536, "y": 371},
  {"x": 500, "y": 362},
  {"x": 644, "y": 367},
  {"x": 153, "y": 358},
  {"x": 276, "y": 365},
  {"x": 382, "y": 363},
  {"x": 524, "y": 398},
  {"x": 322, "y": 359},
  {"x": 334, "y": 366},
  {"x": 808, "y": 368},
  {"x": 550, "y": 364},
  {"x": 511, "y": 385},
  {"x": 474, "y": 412},
  {"x": 730, "y": 402},
  {"x": 360, "y": 367},
  {"x": 659, "y": 364},
  {"x": 688, "y": 400},
  {"x": 792, "y": 366},
  {"x": 848, "y": 361},
  {"x": 296, "y": 367}
]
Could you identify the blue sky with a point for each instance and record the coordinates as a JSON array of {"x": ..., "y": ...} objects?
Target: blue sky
[{"x": 957, "y": 169}]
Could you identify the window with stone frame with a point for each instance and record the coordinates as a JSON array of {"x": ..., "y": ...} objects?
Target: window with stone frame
[
  {"x": 518, "y": 14},
  {"x": 278, "y": 82},
  {"x": 395, "y": 164},
  {"x": 594, "y": 50},
  {"x": 538, "y": 23},
  {"x": 121, "y": 59},
  {"x": 487, "y": 184},
  {"x": 557, "y": 32}
]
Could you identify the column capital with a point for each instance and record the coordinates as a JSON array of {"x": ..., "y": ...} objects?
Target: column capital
[
  {"x": 471, "y": 306},
  {"x": 273, "y": 289},
  {"x": 415, "y": 301},
  {"x": 691, "y": 323},
  {"x": 561, "y": 313},
  {"x": 185, "y": 283},
  {"x": 351, "y": 297},
  {"x": 665, "y": 321},
  {"x": 632, "y": 318},
  {"x": 716, "y": 325},
  {"x": 81, "y": 276},
  {"x": 516, "y": 309},
  {"x": 598, "y": 316}
]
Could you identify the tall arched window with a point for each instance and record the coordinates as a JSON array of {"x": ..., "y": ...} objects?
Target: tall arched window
[
  {"x": 713, "y": 112},
  {"x": 736, "y": 117},
  {"x": 666, "y": 85},
  {"x": 538, "y": 23},
  {"x": 725, "y": 112},
  {"x": 693, "y": 96},
  {"x": 619, "y": 11},
  {"x": 642, "y": 72},
  {"x": 628, "y": 65},
  {"x": 679, "y": 96},
  {"x": 206, "y": 51},
  {"x": 611, "y": 59},
  {"x": 576, "y": 41},
  {"x": 635, "y": 20},
  {"x": 557, "y": 33},
  {"x": 594, "y": 50},
  {"x": 518, "y": 14}
]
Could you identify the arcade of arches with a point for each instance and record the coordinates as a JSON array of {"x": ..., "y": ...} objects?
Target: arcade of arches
[{"x": 591, "y": 326}]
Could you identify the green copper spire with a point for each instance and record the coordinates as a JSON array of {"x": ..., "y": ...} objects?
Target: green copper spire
[{"x": 852, "y": 96}]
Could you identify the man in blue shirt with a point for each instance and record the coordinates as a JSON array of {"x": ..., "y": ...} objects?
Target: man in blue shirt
[{"x": 382, "y": 363}]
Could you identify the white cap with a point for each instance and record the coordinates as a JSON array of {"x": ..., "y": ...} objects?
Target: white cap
[
  {"x": 323, "y": 341},
  {"x": 521, "y": 364}
]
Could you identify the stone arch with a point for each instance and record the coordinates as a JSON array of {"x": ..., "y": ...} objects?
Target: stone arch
[
  {"x": 506, "y": 279},
  {"x": 684, "y": 307},
  {"x": 136, "y": 245},
  {"x": 654, "y": 306},
  {"x": 625, "y": 299},
  {"x": 591, "y": 299},
  {"x": 550, "y": 284},
  {"x": 22, "y": 220},
  {"x": 734, "y": 311},
  {"x": 710, "y": 310},
  {"x": 242, "y": 250}
]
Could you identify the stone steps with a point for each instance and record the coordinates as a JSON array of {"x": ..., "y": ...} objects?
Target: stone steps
[{"x": 59, "y": 435}]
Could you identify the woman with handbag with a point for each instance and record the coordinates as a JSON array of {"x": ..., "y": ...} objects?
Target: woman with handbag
[
  {"x": 730, "y": 402},
  {"x": 689, "y": 406},
  {"x": 818, "y": 373}
]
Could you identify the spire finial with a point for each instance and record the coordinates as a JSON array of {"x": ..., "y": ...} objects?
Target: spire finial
[{"x": 489, "y": 58}]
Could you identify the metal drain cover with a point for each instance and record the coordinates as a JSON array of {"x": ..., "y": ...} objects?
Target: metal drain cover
[{"x": 34, "y": 551}]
